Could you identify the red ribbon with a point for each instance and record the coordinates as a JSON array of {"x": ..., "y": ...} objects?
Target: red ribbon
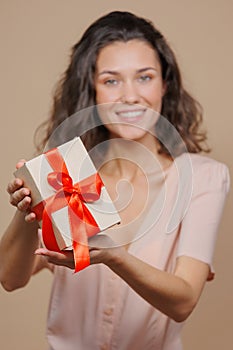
[{"x": 73, "y": 196}]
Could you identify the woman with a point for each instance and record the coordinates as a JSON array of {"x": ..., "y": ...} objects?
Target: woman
[{"x": 146, "y": 275}]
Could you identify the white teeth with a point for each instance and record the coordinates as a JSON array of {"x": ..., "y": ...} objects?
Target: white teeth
[{"x": 130, "y": 114}]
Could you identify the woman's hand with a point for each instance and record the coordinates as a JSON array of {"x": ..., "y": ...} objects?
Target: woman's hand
[
  {"x": 102, "y": 249},
  {"x": 63, "y": 258},
  {"x": 20, "y": 196}
]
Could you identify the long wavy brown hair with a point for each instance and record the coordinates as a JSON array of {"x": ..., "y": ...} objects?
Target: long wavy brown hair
[{"x": 76, "y": 91}]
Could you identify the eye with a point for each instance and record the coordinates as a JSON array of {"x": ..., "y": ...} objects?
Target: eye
[
  {"x": 111, "y": 82},
  {"x": 144, "y": 78}
]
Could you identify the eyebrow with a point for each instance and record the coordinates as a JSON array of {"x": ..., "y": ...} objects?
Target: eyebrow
[{"x": 113, "y": 72}]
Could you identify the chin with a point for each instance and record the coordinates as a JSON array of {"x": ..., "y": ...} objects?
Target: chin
[{"x": 129, "y": 133}]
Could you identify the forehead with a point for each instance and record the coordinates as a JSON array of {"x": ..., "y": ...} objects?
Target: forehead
[{"x": 130, "y": 53}]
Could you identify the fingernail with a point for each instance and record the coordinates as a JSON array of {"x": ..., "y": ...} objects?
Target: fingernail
[{"x": 40, "y": 251}]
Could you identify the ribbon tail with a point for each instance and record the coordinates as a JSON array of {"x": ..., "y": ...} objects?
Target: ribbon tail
[
  {"x": 48, "y": 236},
  {"x": 81, "y": 256},
  {"x": 80, "y": 242}
]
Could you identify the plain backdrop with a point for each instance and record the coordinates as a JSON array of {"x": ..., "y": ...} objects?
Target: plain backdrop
[{"x": 35, "y": 41}]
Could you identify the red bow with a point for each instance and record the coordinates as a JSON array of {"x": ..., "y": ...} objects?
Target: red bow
[{"x": 73, "y": 196}]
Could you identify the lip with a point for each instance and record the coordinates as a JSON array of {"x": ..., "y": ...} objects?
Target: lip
[{"x": 131, "y": 115}]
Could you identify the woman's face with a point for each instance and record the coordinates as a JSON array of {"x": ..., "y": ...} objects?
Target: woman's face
[{"x": 129, "y": 88}]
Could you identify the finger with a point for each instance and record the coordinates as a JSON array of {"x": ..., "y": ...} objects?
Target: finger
[
  {"x": 96, "y": 241},
  {"x": 20, "y": 163},
  {"x": 30, "y": 217},
  {"x": 100, "y": 241},
  {"x": 14, "y": 185},
  {"x": 62, "y": 258},
  {"x": 51, "y": 253},
  {"x": 95, "y": 256},
  {"x": 20, "y": 195},
  {"x": 43, "y": 251},
  {"x": 24, "y": 204}
]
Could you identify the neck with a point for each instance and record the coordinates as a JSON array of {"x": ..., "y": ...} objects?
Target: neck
[{"x": 128, "y": 159}]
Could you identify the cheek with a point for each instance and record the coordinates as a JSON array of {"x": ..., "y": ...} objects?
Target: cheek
[
  {"x": 155, "y": 97},
  {"x": 106, "y": 94},
  {"x": 103, "y": 111},
  {"x": 102, "y": 96}
]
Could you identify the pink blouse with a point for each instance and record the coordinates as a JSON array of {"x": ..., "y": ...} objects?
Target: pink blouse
[{"x": 96, "y": 310}]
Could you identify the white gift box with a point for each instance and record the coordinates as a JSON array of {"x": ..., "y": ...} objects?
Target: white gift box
[{"x": 35, "y": 172}]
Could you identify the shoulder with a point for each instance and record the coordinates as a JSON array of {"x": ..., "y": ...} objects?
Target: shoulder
[
  {"x": 207, "y": 171},
  {"x": 199, "y": 161}
]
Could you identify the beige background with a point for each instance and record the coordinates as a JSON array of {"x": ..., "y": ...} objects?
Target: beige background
[{"x": 35, "y": 39}]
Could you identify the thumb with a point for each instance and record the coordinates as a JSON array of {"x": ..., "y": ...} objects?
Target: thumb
[{"x": 20, "y": 163}]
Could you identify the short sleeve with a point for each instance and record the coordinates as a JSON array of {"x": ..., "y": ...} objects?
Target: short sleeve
[{"x": 199, "y": 227}]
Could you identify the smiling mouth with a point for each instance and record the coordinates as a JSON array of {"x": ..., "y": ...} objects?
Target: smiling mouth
[{"x": 131, "y": 115}]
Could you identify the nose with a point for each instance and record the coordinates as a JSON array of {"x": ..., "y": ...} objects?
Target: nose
[{"x": 129, "y": 93}]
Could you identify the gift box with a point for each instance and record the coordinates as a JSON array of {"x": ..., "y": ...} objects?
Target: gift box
[{"x": 69, "y": 198}]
